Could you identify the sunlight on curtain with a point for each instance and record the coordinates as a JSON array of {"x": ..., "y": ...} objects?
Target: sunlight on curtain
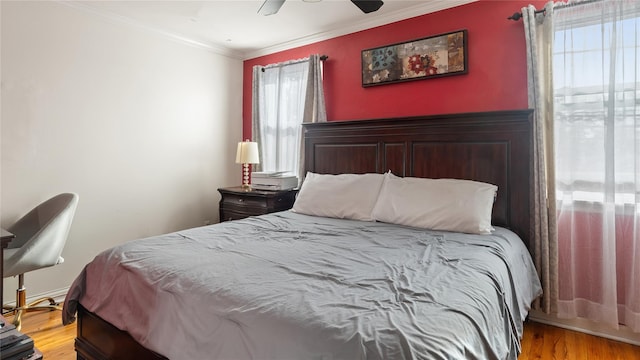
[
  {"x": 280, "y": 104},
  {"x": 596, "y": 75}
]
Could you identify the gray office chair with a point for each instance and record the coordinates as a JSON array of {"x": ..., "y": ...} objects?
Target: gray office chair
[{"x": 40, "y": 237}]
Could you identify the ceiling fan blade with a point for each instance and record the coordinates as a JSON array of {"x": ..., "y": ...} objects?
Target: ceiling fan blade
[
  {"x": 270, "y": 7},
  {"x": 368, "y": 6}
]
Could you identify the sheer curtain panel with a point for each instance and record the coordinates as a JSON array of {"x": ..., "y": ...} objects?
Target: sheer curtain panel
[
  {"x": 279, "y": 92},
  {"x": 596, "y": 72},
  {"x": 284, "y": 96}
]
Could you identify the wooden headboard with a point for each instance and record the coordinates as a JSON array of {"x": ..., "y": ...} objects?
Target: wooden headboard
[{"x": 492, "y": 147}]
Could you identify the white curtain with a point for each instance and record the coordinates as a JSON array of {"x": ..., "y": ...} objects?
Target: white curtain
[
  {"x": 284, "y": 96},
  {"x": 596, "y": 68},
  {"x": 544, "y": 241}
]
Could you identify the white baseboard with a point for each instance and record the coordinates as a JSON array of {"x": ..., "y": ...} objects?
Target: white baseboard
[
  {"x": 58, "y": 295},
  {"x": 586, "y": 326}
]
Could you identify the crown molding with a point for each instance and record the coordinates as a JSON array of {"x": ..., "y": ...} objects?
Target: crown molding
[
  {"x": 220, "y": 50},
  {"x": 410, "y": 12}
]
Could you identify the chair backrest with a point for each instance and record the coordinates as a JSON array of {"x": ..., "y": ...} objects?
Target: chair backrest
[{"x": 41, "y": 235}]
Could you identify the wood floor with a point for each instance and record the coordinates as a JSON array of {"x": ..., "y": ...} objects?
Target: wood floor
[{"x": 539, "y": 341}]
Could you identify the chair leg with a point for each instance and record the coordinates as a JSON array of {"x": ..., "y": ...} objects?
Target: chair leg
[
  {"x": 21, "y": 299},
  {"x": 22, "y": 307},
  {"x": 52, "y": 303},
  {"x": 33, "y": 306}
]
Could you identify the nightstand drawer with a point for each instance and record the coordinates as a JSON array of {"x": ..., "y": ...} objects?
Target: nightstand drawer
[
  {"x": 239, "y": 200},
  {"x": 238, "y": 204},
  {"x": 230, "y": 214},
  {"x": 283, "y": 201}
]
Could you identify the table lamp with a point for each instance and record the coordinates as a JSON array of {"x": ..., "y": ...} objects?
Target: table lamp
[{"x": 246, "y": 154}]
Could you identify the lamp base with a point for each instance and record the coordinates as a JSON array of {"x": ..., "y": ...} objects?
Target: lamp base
[{"x": 245, "y": 178}]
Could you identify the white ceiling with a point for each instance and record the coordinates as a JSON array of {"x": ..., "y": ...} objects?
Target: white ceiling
[{"x": 234, "y": 27}]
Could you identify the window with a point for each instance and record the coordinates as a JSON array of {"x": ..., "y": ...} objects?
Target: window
[
  {"x": 596, "y": 76},
  {"x": 281, "y": 100},
  {"x": 596, "y": 109}
]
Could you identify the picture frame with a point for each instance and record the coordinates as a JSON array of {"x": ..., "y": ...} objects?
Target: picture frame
[{"x": 431, "y": 57}]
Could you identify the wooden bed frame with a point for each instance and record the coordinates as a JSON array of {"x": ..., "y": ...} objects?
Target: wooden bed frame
[{"x": 493, "y": 147}]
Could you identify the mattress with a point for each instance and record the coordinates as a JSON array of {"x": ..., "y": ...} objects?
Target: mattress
[{"x": 293, "y": 286}]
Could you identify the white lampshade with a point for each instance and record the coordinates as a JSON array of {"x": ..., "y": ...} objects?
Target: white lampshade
[{"x": 247, "y": 153}]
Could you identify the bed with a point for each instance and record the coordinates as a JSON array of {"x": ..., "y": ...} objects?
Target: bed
[{"x": 291, "y": 285}]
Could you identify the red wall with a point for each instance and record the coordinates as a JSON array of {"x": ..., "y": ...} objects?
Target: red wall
[{"x": 497, "y": 77}]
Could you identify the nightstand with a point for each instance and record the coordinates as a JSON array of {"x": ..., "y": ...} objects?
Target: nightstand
[{"x": 239, "y": 204}]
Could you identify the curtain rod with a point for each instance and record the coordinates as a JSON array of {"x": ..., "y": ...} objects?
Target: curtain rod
[
  {"x": 322, "y": 58},
  {"x": 518, "y": 15}
]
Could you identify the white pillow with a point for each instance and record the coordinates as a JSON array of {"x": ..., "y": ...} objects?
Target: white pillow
[
  {"x": 438, "y": 204},
  {"x": 344, "y": 196}
]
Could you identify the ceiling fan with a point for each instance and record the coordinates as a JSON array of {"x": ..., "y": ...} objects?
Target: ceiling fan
[{"x": 270, "y": 7}]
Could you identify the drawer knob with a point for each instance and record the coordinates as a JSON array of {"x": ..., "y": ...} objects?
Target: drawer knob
[{"x": 240, "y": 200}]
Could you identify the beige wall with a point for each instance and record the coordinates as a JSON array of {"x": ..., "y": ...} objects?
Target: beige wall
[{"x": 141, "y": 126}]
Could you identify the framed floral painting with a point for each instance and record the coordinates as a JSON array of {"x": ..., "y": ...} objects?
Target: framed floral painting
[{"x": 431, "y": 57}]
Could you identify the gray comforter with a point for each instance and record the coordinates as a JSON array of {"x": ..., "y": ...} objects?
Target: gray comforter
[{"x": 290, "y": 286}]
